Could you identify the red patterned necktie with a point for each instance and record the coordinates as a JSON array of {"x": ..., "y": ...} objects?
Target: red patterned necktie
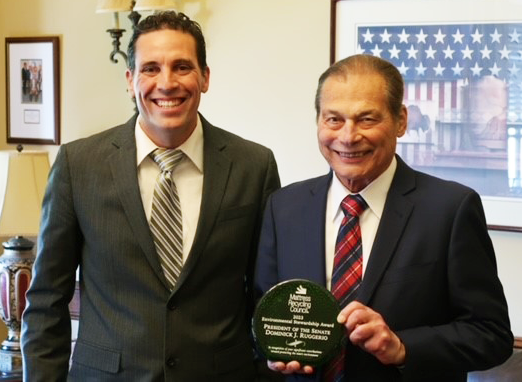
[{"x": 347, "y": 270}]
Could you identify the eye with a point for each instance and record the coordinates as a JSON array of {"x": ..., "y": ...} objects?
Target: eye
[
  {"x": 183, "y": 68},
  {"x": 149, "y": 69},
  {"x": 333, "y": 120},
  {"x": 368, "y": 119}
]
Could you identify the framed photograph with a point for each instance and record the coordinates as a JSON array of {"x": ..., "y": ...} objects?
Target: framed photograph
[
  {"x": 33, "y": 90},
  {"x": 461, "y": 61}
]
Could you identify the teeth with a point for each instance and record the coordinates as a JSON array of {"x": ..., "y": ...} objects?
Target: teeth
[
  {"x": 351, "y": 155},
  {"x": 170, "y": 103}
]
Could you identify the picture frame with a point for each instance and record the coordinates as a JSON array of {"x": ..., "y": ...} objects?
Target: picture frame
[
  {"x": 33, "y": 90},
  {"x": 466, "y": 141}
]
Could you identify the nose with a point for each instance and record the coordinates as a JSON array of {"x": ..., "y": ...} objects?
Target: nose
[
  {"x": 167, "y": 80},
  {"x": 349, "y": 133}
]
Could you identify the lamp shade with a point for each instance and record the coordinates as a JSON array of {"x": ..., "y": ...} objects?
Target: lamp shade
[
  {"x": 147, "y": 5},
  {"x": 23, "y": 177},
  {"x": 113, "y": 6}
]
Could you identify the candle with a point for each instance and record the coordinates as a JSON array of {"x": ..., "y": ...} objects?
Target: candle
[{"x": 116, "y": 21}]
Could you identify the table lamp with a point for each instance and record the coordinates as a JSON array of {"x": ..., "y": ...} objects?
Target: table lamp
[{"x": 23, "y": 176}]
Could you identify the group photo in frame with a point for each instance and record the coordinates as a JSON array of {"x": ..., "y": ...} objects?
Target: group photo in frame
[
  {"x": 461, "y": 62},
  {"x": 33, "y": 90}
]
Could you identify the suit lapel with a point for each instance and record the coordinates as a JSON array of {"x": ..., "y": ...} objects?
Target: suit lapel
[
  {"x": 397, "y": 211},
  {"x": 215, "y": 178},
  {"x": 314, "y": 241},
  {"x": 125, "y": 179}
]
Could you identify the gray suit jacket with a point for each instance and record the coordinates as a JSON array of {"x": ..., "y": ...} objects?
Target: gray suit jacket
[{"x": 132, "y": 328}]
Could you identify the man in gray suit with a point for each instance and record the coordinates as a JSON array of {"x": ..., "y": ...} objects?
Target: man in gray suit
[{"x": 134, "y": 325}]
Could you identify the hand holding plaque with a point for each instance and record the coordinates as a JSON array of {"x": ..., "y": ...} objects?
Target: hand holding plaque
[{"x": 296, "y": 320}]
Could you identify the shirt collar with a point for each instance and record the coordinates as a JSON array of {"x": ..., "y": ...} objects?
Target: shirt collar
[
  {"x": 192, "y": 147},
  {"x": 374, "y": 194}
]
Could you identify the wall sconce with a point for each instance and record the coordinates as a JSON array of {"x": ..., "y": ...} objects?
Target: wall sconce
[
  {"x": 23, "y": 177},
  {"x": 116, "y": 6}
]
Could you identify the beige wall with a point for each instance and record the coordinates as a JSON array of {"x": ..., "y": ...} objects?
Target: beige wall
[
  {"x": 265, "y": 57},
  {"x": 93, "y": 89}
]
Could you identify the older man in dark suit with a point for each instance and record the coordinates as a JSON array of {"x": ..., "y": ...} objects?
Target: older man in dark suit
[
  {"x": 165, "y": 277},
  {"x": 420, "y": 295}
]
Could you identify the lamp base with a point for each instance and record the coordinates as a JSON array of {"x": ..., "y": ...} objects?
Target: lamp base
[
  {"x": 10, "y": 363},
  {"x": 15, "y": 275}
]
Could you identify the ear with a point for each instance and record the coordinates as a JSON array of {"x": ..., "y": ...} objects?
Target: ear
[
  {"x": 206, "y": 80},
  {"x": 402, "y": 121},
  {"x": 130, "y": 88}
]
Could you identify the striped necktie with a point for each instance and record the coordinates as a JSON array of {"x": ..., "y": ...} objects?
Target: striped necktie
[
  {"x": 347, "y": 270},
  {"x": 165, "y": 221}
]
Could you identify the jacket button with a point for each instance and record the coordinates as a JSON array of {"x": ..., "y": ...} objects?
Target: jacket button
[
  {"x": 171, "y": 362},
  {"x": 171, "y": 305}
]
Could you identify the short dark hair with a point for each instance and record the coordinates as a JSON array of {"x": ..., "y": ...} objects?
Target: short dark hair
[
  {"x": 364, "y": 63},
  {"x": 168, "y": 20}
]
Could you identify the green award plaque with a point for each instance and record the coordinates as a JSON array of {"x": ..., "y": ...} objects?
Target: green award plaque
[{"x": 296, "y": 320}]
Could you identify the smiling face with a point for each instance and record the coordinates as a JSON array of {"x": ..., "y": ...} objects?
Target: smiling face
[
  {"x": 357, "y": 134},
  {"x": 167, "y": 83}
]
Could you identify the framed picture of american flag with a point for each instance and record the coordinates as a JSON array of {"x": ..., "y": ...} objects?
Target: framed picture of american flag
[{"x": 461, "y": 61}]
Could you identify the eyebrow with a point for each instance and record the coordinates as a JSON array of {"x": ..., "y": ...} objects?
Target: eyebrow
[
  {"x": 180, "y": 61},
  {"x": 358, "y": 114},
  {"x": 370, "y": 111},
  {"x": 184, "y": 61}
]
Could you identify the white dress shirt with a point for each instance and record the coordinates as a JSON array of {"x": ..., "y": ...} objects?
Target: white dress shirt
[
  {"x": 188, "y": 177},
  {"x": 375, "y": 196}
]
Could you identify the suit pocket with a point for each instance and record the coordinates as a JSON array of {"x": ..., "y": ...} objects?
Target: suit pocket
[
  {"x": 236, "y": 212},
  {"x": 96, "y": 357},
  {"x": 410, "y": 273}
]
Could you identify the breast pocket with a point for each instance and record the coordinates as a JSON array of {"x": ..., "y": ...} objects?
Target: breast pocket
[
  {"x": 411, "y": 273},
  {"x": 237, "y": 212}
]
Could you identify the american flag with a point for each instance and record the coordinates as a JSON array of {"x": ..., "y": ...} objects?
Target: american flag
[
  {"x": 445, "y": 67},
  {"x": 452, "y": 54}
]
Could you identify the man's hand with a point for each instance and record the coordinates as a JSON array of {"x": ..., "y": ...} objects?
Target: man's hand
[
  {"x": 290, "y": 367},
  {"x": 367, "y": 329}
]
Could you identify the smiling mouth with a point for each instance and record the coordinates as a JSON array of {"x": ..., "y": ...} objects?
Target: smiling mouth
[
  {"x": 164, "y": 104},
  {"x": 358, "y": 154}
]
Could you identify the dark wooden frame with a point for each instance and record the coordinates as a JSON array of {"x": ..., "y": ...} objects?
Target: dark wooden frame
[
  {"x": 333, "y": 30},
  {"x": 54, "y": 40}
]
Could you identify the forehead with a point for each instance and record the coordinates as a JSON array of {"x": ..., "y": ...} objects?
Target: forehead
[
  {"x": 165, "y": 42},
  {"x": 354, "y": 89}
]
